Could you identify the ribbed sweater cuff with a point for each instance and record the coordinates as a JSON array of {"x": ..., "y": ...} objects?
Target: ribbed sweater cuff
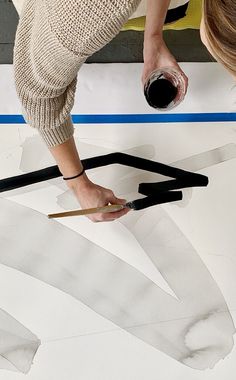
[{"x": 59, "y": 135}]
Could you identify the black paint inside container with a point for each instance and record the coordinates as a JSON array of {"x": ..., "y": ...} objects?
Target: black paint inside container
[{"x": 160, "y": 93}]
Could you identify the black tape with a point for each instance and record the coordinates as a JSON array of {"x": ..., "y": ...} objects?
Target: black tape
[
  {"x": 153, "y": 200},
  {"x": 156, "y": 193}
]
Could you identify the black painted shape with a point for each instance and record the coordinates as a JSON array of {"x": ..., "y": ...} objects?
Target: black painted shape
[
  {"x": 176, "y": 13},
  {"x": 156, "y": 193},
  {"x": 174, "y": 184},
  {"x": 157, "y": 199},
  {"x": 29, "y": 178}
]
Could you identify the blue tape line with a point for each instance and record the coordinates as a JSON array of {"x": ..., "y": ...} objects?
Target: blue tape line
[{"x": 136, "y": 118}]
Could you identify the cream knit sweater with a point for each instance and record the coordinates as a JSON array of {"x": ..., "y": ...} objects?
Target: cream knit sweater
[
  {"x": 53, "y": 39},
  {"x": 141, "y": 10}
]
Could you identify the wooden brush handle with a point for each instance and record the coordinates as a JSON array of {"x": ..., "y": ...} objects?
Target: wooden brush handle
[{"x": 104, "y": 209}]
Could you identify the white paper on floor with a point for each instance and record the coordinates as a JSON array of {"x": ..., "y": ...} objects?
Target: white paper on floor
[
  {"x": 195, "y": 330},
  {"x": 168, "y": 298},
  {"x": 17, "y": 344}
]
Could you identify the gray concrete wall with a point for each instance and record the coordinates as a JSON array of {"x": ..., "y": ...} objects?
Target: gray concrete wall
[
  {"x": 126, "y": 47},
  {"x": 8, "y": 23}
]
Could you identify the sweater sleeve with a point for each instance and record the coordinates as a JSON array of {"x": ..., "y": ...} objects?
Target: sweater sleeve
[
  {"x": 45, "y": 75},
  {"x": 53, "y": 40}
]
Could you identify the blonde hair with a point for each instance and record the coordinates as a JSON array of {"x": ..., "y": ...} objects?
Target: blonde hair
[{"x": 219, "y": 17}]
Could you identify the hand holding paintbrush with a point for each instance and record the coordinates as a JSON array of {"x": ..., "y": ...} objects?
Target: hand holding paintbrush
[
  {"x": 98, "y": 203},
  {"x": 89, "y": 194}
]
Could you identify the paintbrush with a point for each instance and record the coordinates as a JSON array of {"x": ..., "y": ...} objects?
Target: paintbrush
[{"x": 88, "y": 211}]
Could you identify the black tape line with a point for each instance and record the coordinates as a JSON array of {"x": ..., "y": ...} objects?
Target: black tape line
[
  {"x": 95, "y": 162},
  {"x": 153, "y": 200},
  {"x": 174, "y": 184},
  {"x": 29, "y": 178},
  {"x": 157, "y": 193}
]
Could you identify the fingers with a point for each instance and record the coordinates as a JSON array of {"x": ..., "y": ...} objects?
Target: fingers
[
  {"x": 186, "y": 83},
  {"x": 98, "y": 196},
  {"x": 113, "y": 200},
  {"x": 110, "y": 216},
  {"x": 185, "y": 78},
  {"x": 172, "y": 64},
  {"x": 107, "y": 217}
]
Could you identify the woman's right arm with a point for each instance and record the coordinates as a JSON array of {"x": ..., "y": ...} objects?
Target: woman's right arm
[
  {"x": 88, "y": 194},
  {"x": 45, "y": 71}
]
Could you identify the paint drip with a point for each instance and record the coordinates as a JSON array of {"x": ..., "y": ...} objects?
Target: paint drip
[{"x": 165, "y": 89}]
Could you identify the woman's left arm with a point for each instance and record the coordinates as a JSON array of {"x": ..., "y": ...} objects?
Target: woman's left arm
[
  {"x": 155, "y": 18},
  {"x": 155, "y": 52}
]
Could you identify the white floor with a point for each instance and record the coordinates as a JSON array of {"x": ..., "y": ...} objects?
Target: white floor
[{"x": 78, "y": 343}]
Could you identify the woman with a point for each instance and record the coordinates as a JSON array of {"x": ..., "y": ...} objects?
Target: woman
[{"x": 55, "y": 37}]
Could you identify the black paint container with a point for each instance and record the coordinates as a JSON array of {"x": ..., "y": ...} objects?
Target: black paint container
[{"x": 165, "y": 89}]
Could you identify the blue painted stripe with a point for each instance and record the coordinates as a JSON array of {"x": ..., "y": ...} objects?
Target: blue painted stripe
[{"x": 136, "y": 118}]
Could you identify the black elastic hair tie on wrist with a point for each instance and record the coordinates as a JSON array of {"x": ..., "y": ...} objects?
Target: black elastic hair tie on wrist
[{"x": 76, "y": 176}]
